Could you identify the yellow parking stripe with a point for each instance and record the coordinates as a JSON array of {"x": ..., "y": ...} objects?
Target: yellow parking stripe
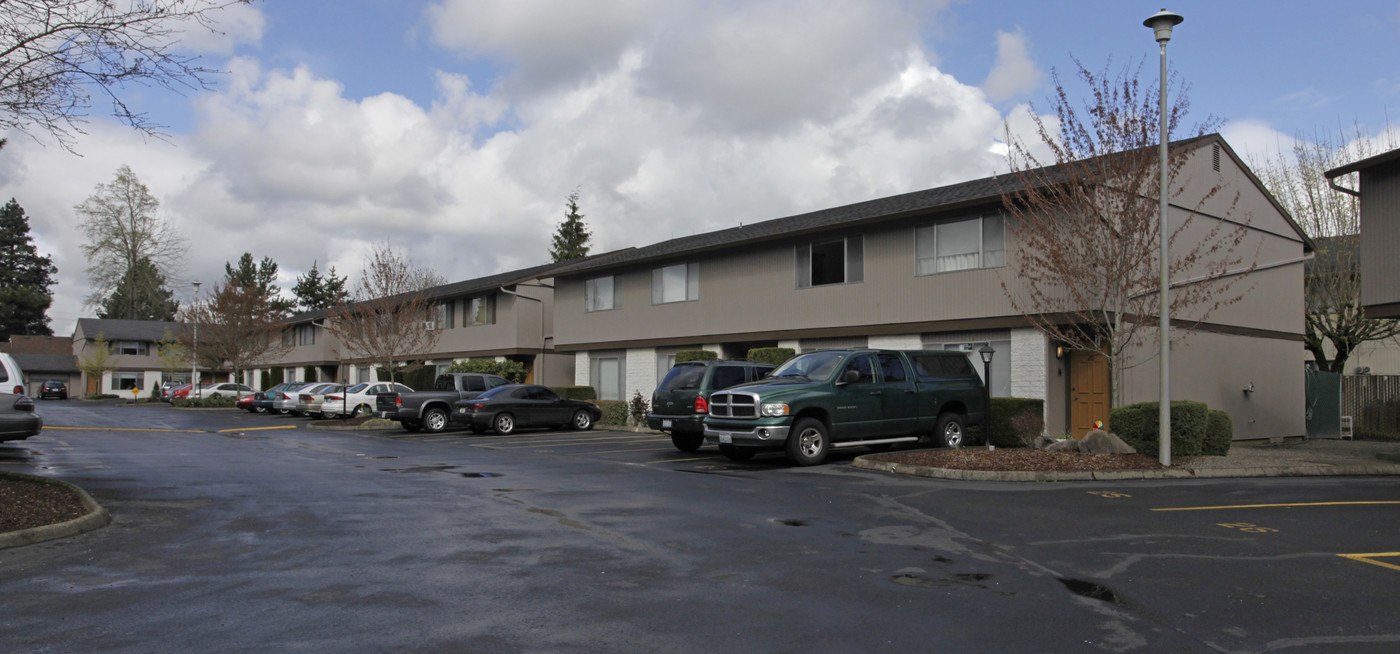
[
  {"x": 1261, "y": 506},
  {"x": 171, "y": 431},
  {"x": 224, "y": 431},
  {"x": 1366, "y": 558}
]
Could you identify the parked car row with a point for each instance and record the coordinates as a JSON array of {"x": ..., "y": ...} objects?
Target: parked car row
[{"x": 482, "y": 402}]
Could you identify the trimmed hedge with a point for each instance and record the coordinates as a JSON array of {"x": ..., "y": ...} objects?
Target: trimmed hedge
[
  {"x": 1004, "y": 411},
  {"x": 614, "y": 412},
  {"x": 1220, "y": 432},
  {"x": 1136, "y": 424},
  {"x": 696, "y": 355},
  {"x": 576, "y": 392},
  {"x": 771, "y": 355},
  {"x": 514, "y": 371},
  {"x": 221, "y": 401}
]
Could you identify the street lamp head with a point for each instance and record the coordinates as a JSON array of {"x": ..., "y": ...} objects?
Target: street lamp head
[
  {"x": 986, "y": 353},
  {"x": 1162, "y": 23}
]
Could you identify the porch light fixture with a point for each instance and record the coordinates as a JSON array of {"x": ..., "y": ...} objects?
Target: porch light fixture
[
  {"x": 1162, "y": 23},
  {"x": 986, "y": 353}
]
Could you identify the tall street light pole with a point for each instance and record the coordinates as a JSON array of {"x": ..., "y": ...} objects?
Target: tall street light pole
[{"x": 1162, "y": 23}]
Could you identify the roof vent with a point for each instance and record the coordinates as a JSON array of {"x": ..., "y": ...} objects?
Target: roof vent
[{"x": 1215, "y": 157}]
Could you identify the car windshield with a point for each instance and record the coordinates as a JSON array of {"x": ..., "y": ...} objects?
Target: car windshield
[
  {"x": 682, "y": 377},
  {"x": 497, "y": 391},
  {"x": 356, "y": 388},
  {"x": 816, "y": 366}
]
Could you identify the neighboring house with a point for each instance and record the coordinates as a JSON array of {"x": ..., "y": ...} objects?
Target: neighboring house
[
  {"x": 1379, "y": 357},
  {"x": 44, "y": 358},
  {"x": 924, "y": 270},
  {"x": 135, "y": 361},
  {"x": 504, "y": 316},
  {"x": 1379, "y": 190}
]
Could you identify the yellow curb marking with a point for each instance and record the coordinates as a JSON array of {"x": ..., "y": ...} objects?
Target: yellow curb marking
[
  {"x": 1261, "y": 506},
  {"x": 169, "y": 431},
  {"x": 1366, "y": 558},
  {"x": 225, "y": 431}
]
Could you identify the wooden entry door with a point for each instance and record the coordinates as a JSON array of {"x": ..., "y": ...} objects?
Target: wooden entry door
[{"x": 1088, "y": 391}]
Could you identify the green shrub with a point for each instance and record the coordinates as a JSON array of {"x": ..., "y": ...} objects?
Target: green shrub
[
  {"x": 695, "y": 355},
  {"x": 614, "y": 412},
  {"x": 771, "y": 355},
  {"x": 511, "y": 370},
  {"x": 308, "y": 373},
  {"x": 1010, "y": 416},
  {"x": 155, "y": 388},
  {"x": 278, "y": 376},
  {"x": 205, "y": 402},
  {"x": 265, "y": 379},
  {"x": 1220, "y": 432},
  {"x": 576, "y": 392},
  {"x": 1136, "y": 424}
]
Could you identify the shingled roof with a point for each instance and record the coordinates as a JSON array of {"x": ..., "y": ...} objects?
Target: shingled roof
[{"x": 128, "y": 330}]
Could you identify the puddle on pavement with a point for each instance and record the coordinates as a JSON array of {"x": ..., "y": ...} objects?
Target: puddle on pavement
[{"x": 1090, "y": 590}]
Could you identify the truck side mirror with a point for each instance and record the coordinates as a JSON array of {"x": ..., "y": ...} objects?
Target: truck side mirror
[{"x": 848, "y": 377}]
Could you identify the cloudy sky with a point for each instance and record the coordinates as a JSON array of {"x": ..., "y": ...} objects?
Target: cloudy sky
[{"x": 455, "y": 129}]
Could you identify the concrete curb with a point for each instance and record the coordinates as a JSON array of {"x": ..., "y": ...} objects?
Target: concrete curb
[
  {"x": 96, "y": 518},
  {"x": 1304, "y": 470}
]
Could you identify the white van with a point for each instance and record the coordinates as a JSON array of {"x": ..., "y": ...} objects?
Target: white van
[{"x": 11, "y": 377}]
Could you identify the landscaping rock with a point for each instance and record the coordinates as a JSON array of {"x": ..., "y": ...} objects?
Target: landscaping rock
[
  {"x": 1066, "y": 445},
  {"x": 1102, "y": 442}
]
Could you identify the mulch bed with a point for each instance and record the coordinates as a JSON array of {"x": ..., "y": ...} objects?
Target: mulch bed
[
  {"x": 1020, "y": 459},
  {"x": 29, "y": 504}
]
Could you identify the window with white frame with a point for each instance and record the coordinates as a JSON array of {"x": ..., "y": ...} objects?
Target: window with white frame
[
  {"x": 678, "y": 283},
  {"x": 442, "y": 315},
  {"x": 963, "y": 244},
  {"x": 125, "y": 381},
  {"x": 602, "y": 294},
  {"x": 306, "y": 335},
  {"x": 833, "y": 261},
  {"x": 129, "y": 347},
  {"x": 605, "y": 376},
  {"x": 482, "y": 310},
  {"x": 289, "y": 337}
]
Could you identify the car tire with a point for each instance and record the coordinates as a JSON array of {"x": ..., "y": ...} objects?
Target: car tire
[
  {"x": 809, "y": 442},
  {"x": 735, "y": 453},
  {"x": 434, "y": 420},
  {"x": 583, "y": 420},
  {"x": 503, "y": 424},
  {"x": 411, "y": 425},
  {"x": 359, "y": 411},
  {"x": 687, "y": 441},
  {"x": 950, "y": 431}
]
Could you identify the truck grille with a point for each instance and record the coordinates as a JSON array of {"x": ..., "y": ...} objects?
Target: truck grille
[{"x": 734, "y": 405}]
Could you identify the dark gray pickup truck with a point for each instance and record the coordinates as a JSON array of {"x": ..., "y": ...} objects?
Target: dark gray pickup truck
[{"x": 428, "y": 410}]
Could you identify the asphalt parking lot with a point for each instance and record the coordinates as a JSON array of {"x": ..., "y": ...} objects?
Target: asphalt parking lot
[{"x": 260, "y": 532}]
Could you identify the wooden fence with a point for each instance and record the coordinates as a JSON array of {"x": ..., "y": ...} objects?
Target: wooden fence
[{"x": 1373, "y": 402}]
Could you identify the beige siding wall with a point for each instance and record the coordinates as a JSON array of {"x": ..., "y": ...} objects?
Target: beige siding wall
[{"x": 1380, "y": 231}]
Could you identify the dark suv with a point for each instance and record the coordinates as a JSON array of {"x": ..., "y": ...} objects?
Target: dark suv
[
  {"x": 681, "y": 400},
  {"x": 53, "y": 388}
]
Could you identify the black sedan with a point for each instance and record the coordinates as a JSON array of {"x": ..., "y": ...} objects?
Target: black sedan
[
  {"x": 504, "y": 408},
  {"x": 17, "y": 418}
]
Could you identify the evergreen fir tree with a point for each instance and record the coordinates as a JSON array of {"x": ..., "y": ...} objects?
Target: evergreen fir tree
[
  {"x": 25, "y": 277},
  {"x": 571, "y": 239},
  {"x": 140, "y": 295},
  {"x": 261, "y": 277},
  {"x": 316, "y": 292}
]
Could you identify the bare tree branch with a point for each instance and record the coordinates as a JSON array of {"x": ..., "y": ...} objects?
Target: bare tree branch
[{"x": 386, "y": 319}]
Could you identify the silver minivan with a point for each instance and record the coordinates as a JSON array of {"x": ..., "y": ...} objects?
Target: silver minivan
[{"x": 11, "y": 377}]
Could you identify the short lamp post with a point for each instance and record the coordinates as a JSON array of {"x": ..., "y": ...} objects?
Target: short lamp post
[
  {"x": 194, "y": 350},
  {"x": 986, "y": 352},
  {"x": 1161, "y": 24}
]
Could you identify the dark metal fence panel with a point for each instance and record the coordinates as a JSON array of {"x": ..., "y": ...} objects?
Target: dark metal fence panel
[
  {"x": 1323, "y": 391},
  {"x": 1373, "y": 402}
]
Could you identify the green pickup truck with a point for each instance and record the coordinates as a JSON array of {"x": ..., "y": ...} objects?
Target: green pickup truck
[{"x": 846, "y": 398}]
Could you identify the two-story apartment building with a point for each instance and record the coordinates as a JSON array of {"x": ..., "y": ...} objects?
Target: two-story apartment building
[
  {"x": 508, "y": 315},
  {"x": 135, "y": 361},
  {"x": 1378, "y": 187},
  {"x": 925, "y": 270}
]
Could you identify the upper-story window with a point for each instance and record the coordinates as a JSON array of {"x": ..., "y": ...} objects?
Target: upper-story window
[
  {"x": 963, "y": 244},
  {"x": 442, "y": 315},
  {"x": 602, "y": 294},
  {"x": 482, "y": 310},
  {"x": 289, "y": 337},
  {"x": 306, "y": 335},
  {"x": 677, "y": 283},
  {"x": 834, "y": 261},
  {"x": 129, "y": 347}
]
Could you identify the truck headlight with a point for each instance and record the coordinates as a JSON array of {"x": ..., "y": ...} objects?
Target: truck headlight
[{"x": 774, "y": 409}]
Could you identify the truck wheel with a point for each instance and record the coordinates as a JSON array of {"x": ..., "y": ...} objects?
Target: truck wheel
[
  {"x": 808, "y": 443},
  {"x": 687, "y": 441},
  {"x": 411, "y": 425},
  {"x": 434, "y": 420},
  {"x": 503, "y": 424},
  {"x": 736, "y": 453},
  {"x": 583, "y": 420},
  {"x": 950, "y": 432}
]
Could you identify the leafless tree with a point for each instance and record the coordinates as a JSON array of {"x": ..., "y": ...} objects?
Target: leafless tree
[
  {"x": 54, "y": 54},
  {"x": 97, "y": 359},
  {"x": 122, "y": 228},
  {"x": 238, "y": 329},
  {"x": 1085, "y": 223},
  {"x": 387, "y": 318},
  {"x": 1335, "y": 322}
]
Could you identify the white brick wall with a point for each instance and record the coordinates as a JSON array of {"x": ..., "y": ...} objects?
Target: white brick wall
[
  {"x": 1028, "y": 363},
  {"x": 641, "y": 373},
  {"x": 581, "y": 369},
  {"x": 897, "y": 342}
]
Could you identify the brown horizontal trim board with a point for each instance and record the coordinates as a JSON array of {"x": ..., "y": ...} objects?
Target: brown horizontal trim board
[
  {"x": 474, "y": 354},
  {"x": 1388, "y": 310}
]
